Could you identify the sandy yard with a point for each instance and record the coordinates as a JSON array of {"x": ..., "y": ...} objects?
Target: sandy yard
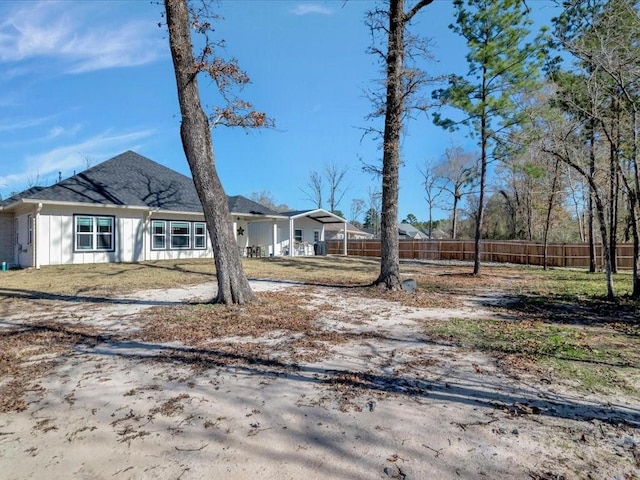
[{"x": 383, "y": 402}]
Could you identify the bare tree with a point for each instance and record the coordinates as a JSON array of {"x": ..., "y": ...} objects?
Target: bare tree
[
  {"x": 432, "y": 191},
  {"x": 335, "y": 179},
  {"x": 267, "y": 199},
  {"x": 314, "y": 189},
  {"x": 33, "y": 180},
  {"x": 401, "y": 87},
  {"x": 372, "y": 214},
  {"x": 459, "y": 171},
  {"x": 357, "y": 207},
  {"x": 233, "y": 287}
]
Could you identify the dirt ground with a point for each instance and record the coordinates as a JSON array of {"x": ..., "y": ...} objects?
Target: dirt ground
[{"x": 383, "y": 401}]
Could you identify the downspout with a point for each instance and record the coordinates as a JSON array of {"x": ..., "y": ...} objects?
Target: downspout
[
  {"x": 146, "y": 235},
  {"x": 34, "y": 246}
]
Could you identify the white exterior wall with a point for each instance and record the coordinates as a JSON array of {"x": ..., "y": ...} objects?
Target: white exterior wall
[
  {"x": 243, "y": 241},
  {"x": 55, "y": 236},
  {"x": 23, "y": 249},
  {"x": 261, "y": 233},
  {"x": 174, "y": 254}
]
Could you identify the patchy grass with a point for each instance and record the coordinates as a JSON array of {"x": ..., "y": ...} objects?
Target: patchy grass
[
  {"x": 576, "y": 284},
  {"x": 593, "y": 358},
  {"x": 244, "y": 335},
  {"x": 105, "y": 279},
  {"x": 557, "y": 321}
]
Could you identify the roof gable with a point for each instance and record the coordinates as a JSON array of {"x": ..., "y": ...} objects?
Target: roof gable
[{"x": 130, "y": 179}]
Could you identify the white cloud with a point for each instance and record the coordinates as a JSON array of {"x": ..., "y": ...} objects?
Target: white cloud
[
  {"x": 312, "y": 8},
  {"x": 68, "y": 158},
  {"x": 65, "y": 31},
  {"x": 20, "y": 124}
]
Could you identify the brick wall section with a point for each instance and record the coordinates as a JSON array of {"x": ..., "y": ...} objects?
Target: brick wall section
[{"x": 7, "y": 238}]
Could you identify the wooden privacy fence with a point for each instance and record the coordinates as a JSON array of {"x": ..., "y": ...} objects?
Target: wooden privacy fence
[{"x": 558, "y": 254}]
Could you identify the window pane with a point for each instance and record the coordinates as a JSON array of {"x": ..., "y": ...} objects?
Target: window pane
[
  {"x": 179, "y": 228},
  {"x": 84, "y": 224},
  {"x": 158, "y": 228},
  {"x": 178, "y": 241},
  {"x": 199, "y": 228},
  {"x": 199, "y": 241},
  {"x": 85, "y": 241},
  {"x": 105, "y": 225},
  {"x": 104, "y": 242},
  {"x": 159, "y": 242}
]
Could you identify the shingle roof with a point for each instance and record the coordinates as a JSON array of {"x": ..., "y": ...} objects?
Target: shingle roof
[
  {"x": 133, "y": 180},
  {"x": 240, "y": 204}
]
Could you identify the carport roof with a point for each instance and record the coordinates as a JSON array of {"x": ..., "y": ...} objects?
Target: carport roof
[{"x": 319, "y": 215}]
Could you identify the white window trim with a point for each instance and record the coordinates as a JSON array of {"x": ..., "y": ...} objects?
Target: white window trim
[
  {"x": 181, "y": 235},
  {"x": 95, "y": 233},
  {"x": 192, "y": 236},
  {"x": 154, "y": 234},
  {"x": 202, "y": 236}
]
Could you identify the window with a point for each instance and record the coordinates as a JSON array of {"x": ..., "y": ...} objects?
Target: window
[
  {"x": 180, "y": 235},
  {"x": 94, "y": 233},
  {"x": 297, "y": 235},
  {"x": 159, "y": 235},
  {"x": 199, "y": 235},
  {"x": 316, "y": 236}
]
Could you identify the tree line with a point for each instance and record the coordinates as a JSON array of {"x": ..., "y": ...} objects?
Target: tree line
[{"x": 553, "y": 114}]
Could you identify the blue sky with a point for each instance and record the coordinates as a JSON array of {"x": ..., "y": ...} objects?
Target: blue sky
[{"x": 81, "y": 82}]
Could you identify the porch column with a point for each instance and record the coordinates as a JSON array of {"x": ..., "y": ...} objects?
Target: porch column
[
  {"x": 344, "y": 245},
  {"x": 291, "y": 237},
  {"x": 274, "y": 238},
  {"x": 34, "y": 236}
]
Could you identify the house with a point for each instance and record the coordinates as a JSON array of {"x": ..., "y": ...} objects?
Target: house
[
  {"x": 406, "y": 231},
  {"x": 306, "y": 228},
  {"x": 335, "y": 231},
  {"x": 131, "y": 209}
]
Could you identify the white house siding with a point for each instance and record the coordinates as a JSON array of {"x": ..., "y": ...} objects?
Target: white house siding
[
  {"x": 55, "y": 231},
  {"x": 241, "y": 226},
  {"x": 7, "y": 238},
  {"x": 261, "y": 233},
  {"x": 132, "y": 237},
  {"x": 174, "y": 254}
]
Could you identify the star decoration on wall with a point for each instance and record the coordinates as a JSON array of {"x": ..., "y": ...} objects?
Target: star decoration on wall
[{"x": 240, "y": 231}]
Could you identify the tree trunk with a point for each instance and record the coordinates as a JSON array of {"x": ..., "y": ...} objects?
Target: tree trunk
[
  {"x": 614, "y": 192},
  {"x": 483, "y": 179},
  {"x": 606, "y": 250},
  {"x": 547, "y": 223},
  {"x": 389, "y": 242},
  {"x": 454, "y": 220},
  {"x": 233, "y": 286},
  {"x": 593, "y": 266}
]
